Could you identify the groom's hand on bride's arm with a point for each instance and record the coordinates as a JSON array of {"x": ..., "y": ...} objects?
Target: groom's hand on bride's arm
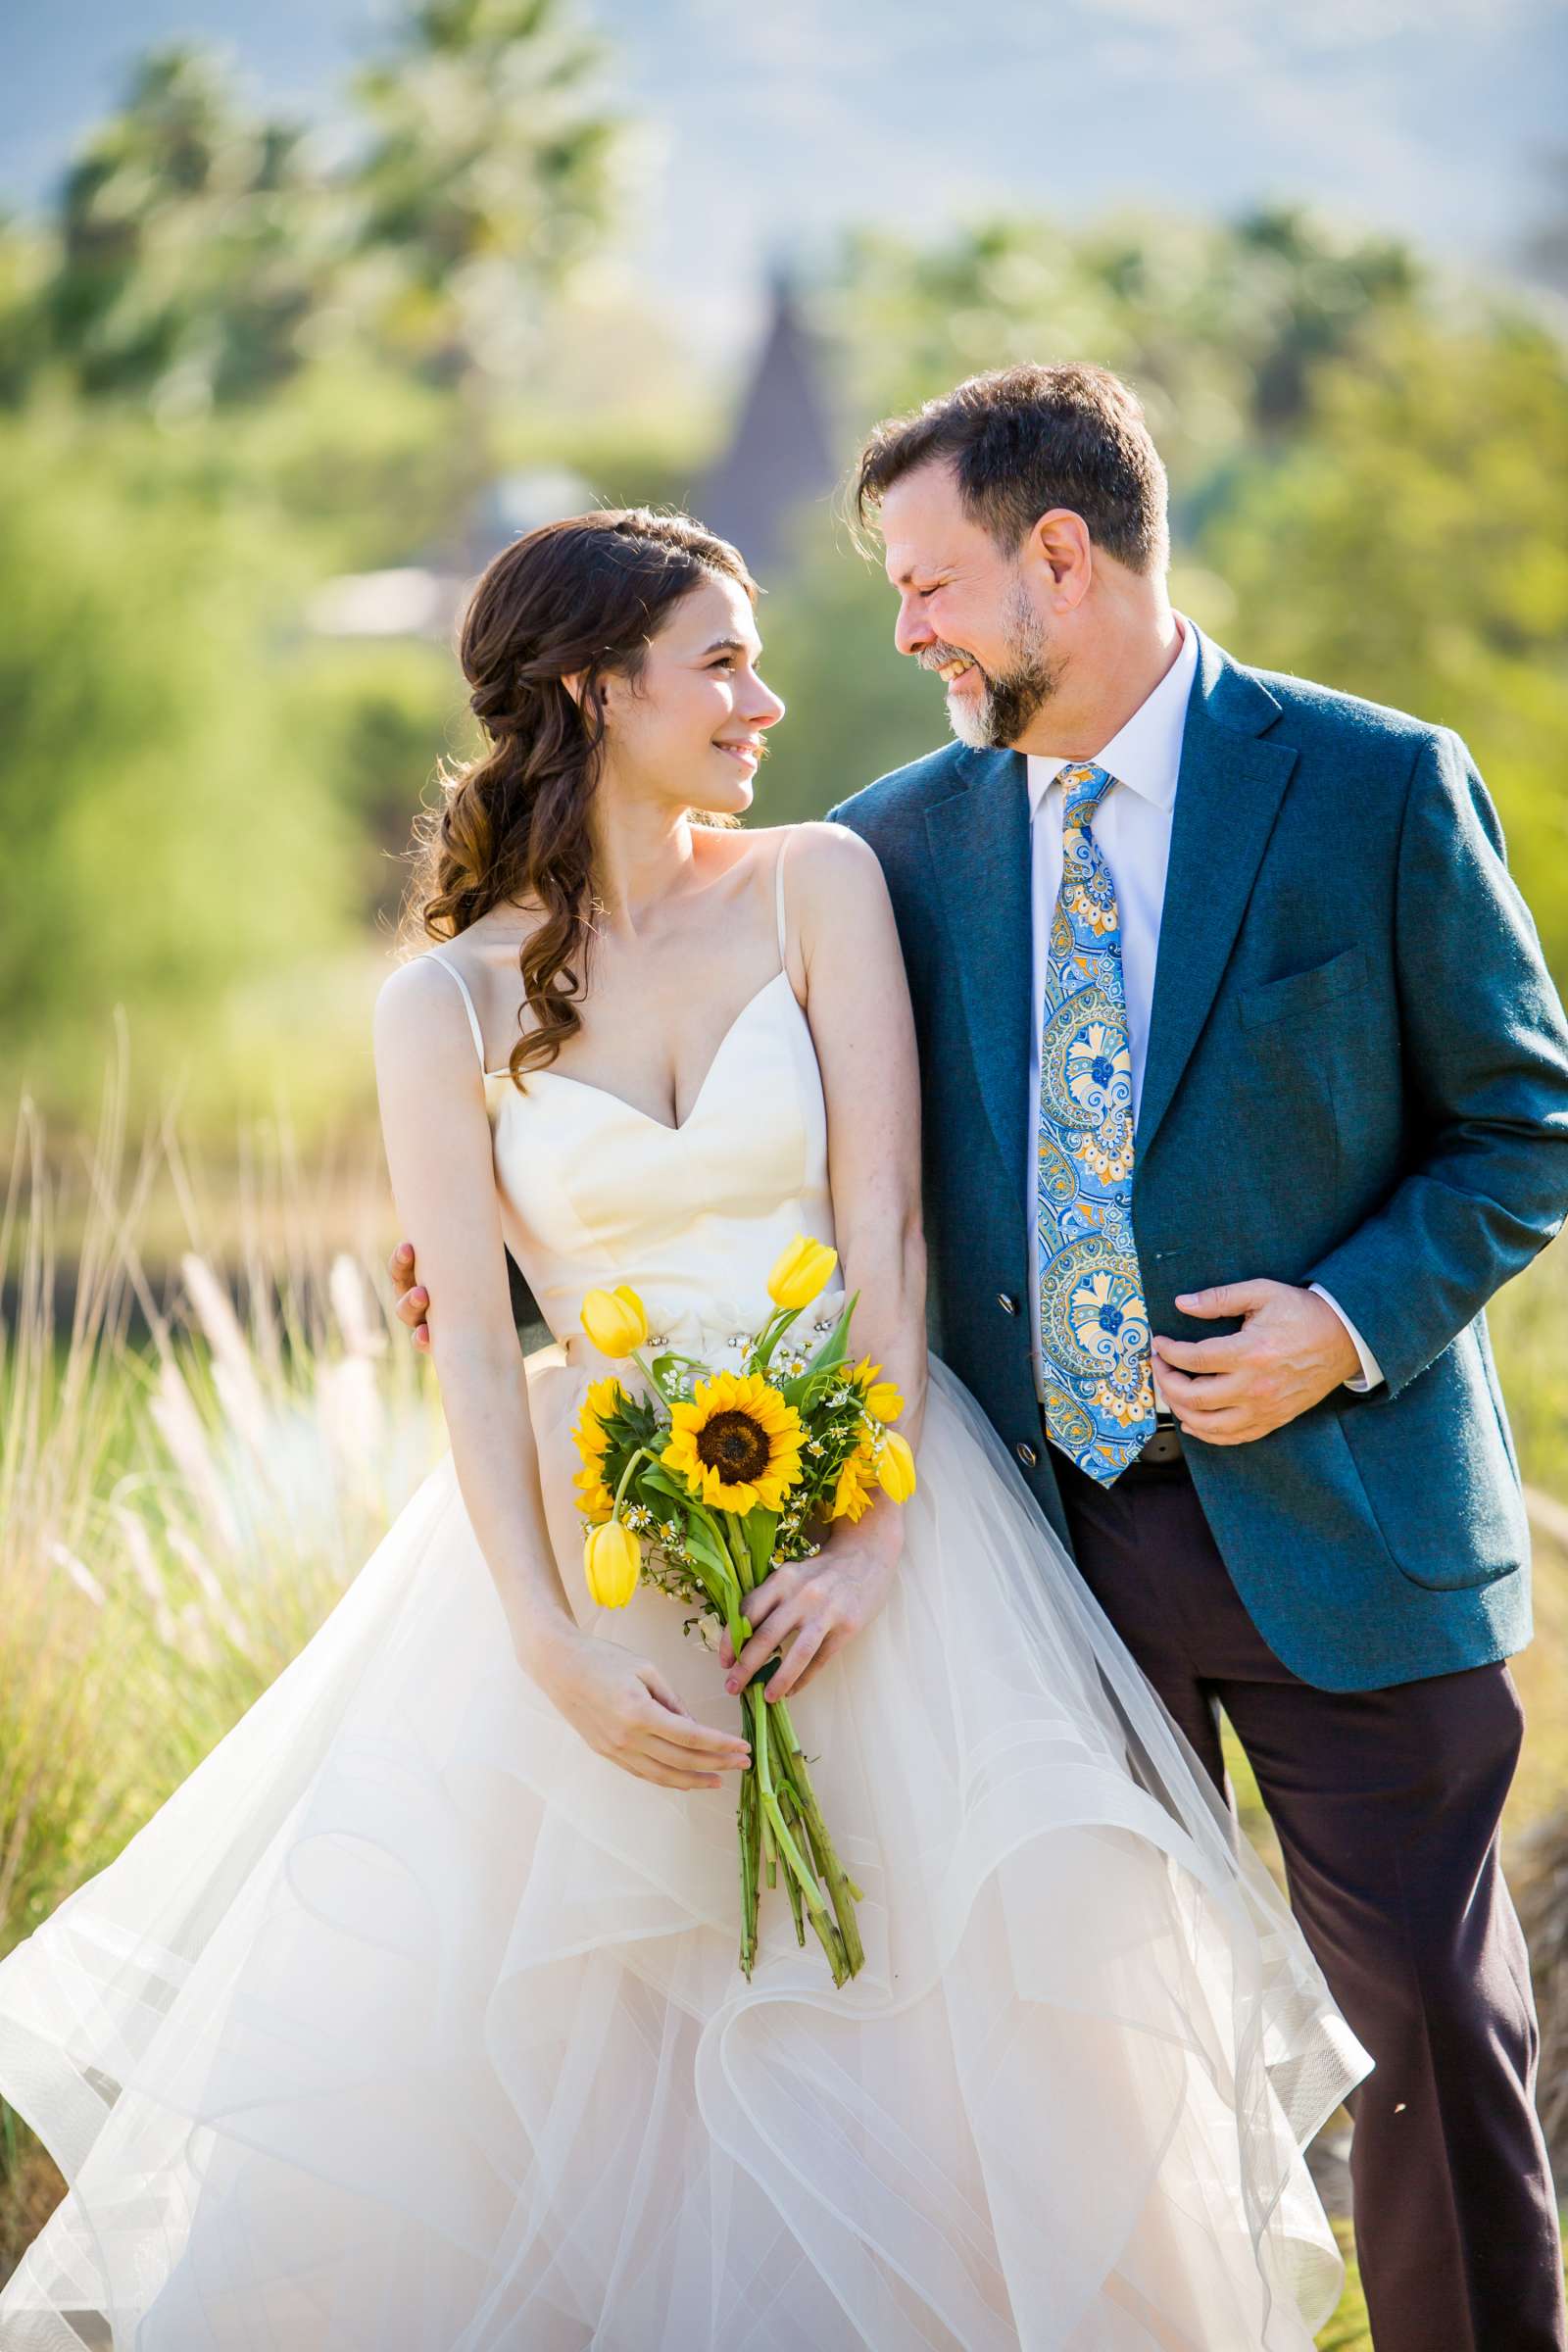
[
  {"x": 414, "y": 1303},
  {"x": 1290, "y": 1351}
]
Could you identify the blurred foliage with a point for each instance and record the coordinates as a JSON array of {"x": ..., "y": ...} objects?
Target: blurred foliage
[
  {"x": 1218, "y": 324},
  {"x": 170, "y": 839},
  {"x": 490, "y": 171},
  {"x": 232, "y": 370},
  {"x": 201, "y": 255},
  {"x": 1413, "y": 547}
]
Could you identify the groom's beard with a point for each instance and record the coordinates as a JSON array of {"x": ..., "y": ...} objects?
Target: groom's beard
[{"x": 1011, "y": 699}]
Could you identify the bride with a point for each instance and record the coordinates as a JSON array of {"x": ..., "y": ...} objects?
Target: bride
[{"x": 412, "y": 2020}]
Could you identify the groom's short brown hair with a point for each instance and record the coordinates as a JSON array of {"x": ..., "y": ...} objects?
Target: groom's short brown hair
[{"x": 1023, "y": 440}]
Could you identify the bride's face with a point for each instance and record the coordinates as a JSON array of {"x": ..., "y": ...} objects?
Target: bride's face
[{"x": 694, "y": 726}]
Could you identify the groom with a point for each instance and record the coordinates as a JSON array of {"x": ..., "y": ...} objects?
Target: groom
[{"x": 1227, "y": 1007}]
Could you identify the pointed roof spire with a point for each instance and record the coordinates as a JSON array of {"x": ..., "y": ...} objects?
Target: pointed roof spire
[{"x": 781, "y": 455}]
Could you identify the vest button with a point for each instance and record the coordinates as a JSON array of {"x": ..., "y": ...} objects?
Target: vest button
[
  {"x": 1007, "y": 1303},
  {"x": 1027, "y": 1456}
]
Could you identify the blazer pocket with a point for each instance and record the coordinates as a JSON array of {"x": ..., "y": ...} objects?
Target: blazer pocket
[{"x": 1298, "y": 992}]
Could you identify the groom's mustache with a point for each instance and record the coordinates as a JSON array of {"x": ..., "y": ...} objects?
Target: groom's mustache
[{"x": 938, "y": 657}]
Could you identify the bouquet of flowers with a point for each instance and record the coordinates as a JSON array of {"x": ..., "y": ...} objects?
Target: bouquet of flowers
[{"x": 706, "y": 1482}]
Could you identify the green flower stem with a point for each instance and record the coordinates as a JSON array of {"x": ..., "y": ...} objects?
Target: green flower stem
[
  {"x": 772, "y": 1331},
  {"x": 841, "y": 1888},
  {"x": 787, "y": 1806},
  {"x": 748, "y": 1820},
  {"x": 789, "y": 1852},
  {"x": 737, "y": 1625},
  {"x": 642, "y": 1454},
  {"x": 647, "y": 1371}
]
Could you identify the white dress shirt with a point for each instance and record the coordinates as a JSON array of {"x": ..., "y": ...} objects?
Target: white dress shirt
[{"x": 1132, "y": 827}]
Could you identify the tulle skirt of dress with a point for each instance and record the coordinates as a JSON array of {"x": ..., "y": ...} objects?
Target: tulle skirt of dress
[{"x": 409, "y": 2023}]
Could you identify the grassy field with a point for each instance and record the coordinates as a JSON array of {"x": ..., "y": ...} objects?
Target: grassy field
[{"x": 179, "y": 1509}]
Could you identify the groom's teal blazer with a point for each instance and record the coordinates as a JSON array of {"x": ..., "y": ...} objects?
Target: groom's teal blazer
[{"x": 1357, "y": 1074}]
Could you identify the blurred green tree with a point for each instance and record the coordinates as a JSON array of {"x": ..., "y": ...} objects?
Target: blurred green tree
[
  {"x": 490, "y": 170},
  {"x": 1412, "y": 546},
  {"x": 193, "y": 245},
  {"x": 201, "y": 255},
  {"x": 171, "y": 833},
  {"x": 1218, "y": 324}
]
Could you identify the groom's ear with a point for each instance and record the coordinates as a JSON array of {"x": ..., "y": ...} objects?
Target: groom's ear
[{"x": 1061, "y": 545}]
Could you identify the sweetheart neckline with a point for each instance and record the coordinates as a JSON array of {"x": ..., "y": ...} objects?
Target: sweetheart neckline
[{"x": 586, "y": 1085}]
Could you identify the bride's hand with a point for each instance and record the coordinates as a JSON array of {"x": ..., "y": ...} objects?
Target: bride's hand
[
  {"x": 815, "y": 1605},
  {"x": 626, "y": 1711}
]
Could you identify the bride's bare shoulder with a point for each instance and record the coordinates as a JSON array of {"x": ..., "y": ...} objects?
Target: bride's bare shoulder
[
  {"x": 419, "y": 1010},
  {"x": 830, "y": 871}
]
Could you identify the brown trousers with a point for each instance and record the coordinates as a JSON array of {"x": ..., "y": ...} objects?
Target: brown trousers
[{"x": 1386, "y": 1805}]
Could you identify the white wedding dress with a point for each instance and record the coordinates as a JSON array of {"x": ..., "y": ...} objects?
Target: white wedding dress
[{"x": 409, "y": 2023}]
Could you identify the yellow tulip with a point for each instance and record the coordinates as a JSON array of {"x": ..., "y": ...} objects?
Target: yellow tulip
[
  {"x": 617, "y": 1321},
  {"x": 612, "y": 1560},
  {"x": 895, "y": 1468},
  {"x": 883, "y": 1401},
  {"x": 801, "y": 1272}
]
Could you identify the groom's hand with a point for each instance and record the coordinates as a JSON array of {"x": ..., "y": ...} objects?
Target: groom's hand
[
  {"x": 1291, "y": 1351},
  {"x": 413, "y": 1301}
]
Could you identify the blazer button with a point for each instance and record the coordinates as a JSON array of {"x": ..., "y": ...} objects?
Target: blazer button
[
  {"x": 1027, "y": 1456},
  {"x": 1007, "y": 1303}
]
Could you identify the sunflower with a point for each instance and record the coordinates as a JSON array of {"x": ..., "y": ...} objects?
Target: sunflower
[
  {"x": 589, "y": 1435},
  {"x": 737, "y": 1442},
  {"x": 855, "y": 1489},
  {"x": 594, "y": 1499},
  {"x": 878, "y": 1397},
  {"x": 599, "y": 1403}
]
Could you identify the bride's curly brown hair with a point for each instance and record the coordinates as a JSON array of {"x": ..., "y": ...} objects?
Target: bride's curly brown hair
[{"x": 584, "y": 594}]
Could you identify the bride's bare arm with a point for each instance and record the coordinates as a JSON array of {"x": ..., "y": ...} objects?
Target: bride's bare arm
[
  {"x": 438, "y": 1148},
  {"x": 858, "y": 1003}
]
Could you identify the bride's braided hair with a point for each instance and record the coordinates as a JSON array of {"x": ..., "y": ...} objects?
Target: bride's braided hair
[{"x": 584, "y": 594}]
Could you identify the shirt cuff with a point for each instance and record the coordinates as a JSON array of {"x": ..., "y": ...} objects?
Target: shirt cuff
[{"x": 1371, "y": 1369}]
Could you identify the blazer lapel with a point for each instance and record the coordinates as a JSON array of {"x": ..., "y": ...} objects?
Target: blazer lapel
[
  {"x": 1229, "y": 788},
  {"x": 980, "y": 845}
]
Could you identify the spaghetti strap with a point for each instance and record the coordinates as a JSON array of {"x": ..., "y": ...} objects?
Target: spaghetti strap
[
  {"x": 436, "y": 957},
  {"x": 779, "y": 900}
]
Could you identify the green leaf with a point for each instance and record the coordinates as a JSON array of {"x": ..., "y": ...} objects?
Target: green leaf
[
  {"x": 760, "y": 1529},
  {"x": 836, "y": 1347},
  {"x": 664, "y": 1481}
]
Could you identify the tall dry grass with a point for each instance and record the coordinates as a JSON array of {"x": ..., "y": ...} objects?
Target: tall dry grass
[{"x": 191, "y": 1470}]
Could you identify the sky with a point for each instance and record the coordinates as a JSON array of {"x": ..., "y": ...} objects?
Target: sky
[{"x": 766, "y": 129}]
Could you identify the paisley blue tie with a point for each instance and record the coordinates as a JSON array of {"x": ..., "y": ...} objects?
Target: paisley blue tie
[{"x": 1099, "y": 1395}]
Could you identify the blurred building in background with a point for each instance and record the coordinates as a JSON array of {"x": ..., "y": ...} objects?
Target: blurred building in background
[
  {"x": 781, "y": 461},
  {"x": 777, "y": 465}
]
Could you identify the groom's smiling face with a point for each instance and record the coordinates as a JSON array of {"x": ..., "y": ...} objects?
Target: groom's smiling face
[{"x": 967, "y": 609}]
